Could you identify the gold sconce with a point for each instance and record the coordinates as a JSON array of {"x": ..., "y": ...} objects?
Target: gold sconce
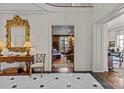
[
  {"x": 1, "y": 47},
  {"x": 27, "y": 45}
]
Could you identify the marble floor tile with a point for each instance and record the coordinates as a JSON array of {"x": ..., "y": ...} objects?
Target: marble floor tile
[{"x": 51, "y": 81}]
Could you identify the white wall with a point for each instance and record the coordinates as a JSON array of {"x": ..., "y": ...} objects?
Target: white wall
[
  {"x": 88, "y": 39},
  {"x": 114, "y": 26},
  {"x": 40, "y": 27},
  {"x": 100, "y": 35},
  {"x": 112, "y": 36}
]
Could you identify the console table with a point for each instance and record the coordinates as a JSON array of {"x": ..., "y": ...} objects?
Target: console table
[{"x": 12, "y": 59}]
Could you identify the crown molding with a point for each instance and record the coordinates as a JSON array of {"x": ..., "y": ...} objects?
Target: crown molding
[
  {"x": 119, "y": 28},
  {"x": 23, "y": 12},
  {"x": 117, "y": 11},
  {"x": 45, "y": 8},
  {"x": 54, "y": 9},
  {"x": 81, "y": 6}
]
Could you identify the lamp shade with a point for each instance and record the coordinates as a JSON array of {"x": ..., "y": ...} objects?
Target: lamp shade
[
  {"x": 12, "y": 44},
  {"x": 1, "y": 45},
  {"x": 27, "y": 44}
]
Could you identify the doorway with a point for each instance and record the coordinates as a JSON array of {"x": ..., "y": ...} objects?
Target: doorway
[
  {"x": 62, "y": 48},
  {"x": 116, "y": 51}
]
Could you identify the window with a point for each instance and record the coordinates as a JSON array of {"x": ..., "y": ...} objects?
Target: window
[
  {"x": 63, "y": 44},
  {"x": 120, "y": 40}
]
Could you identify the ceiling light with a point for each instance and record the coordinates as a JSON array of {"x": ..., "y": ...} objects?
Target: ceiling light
[{"x": 69, "y": 30}]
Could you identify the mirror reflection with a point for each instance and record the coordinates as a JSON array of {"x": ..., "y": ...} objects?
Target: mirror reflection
[{"x": 17, "y": 36}]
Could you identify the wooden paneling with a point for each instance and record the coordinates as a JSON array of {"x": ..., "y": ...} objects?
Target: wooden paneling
[{"x": 56, "y": 42}]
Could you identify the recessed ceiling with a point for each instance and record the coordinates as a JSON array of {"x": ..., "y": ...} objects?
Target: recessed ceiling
[
  {"x": 38, "y": 7},
  {"x": 63, "y": 30},
  {"x": 71, "y": 4},
  {"x": 19, "y": 6}
]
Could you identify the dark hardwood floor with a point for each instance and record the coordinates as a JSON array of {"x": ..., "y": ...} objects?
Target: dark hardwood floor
[
  {"x": 63, "y": 69},
  {"x": 112, "y": 79}
]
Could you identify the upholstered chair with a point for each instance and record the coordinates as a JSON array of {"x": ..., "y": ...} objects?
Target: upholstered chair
[{"x": 38, "y": 63}]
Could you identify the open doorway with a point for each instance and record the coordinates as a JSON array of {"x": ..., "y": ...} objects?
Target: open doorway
[
  {"x": 116, "y": 47},
  {"x": 62, "y": 48}
]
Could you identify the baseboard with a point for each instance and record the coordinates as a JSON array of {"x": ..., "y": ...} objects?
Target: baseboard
[
  {"x": 43, "y": 72},
  {"x": 61, "y": 72},
  {"x": 98, "y": 69},
  {"x": 82, "y": 68},
  {"x": 82, "y": 71}
]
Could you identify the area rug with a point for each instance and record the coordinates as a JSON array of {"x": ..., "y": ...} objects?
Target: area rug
[{"x": 51, "y": 81}]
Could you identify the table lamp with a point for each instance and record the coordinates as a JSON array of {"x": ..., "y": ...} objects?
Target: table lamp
[
  {"x": 28, "y": 46},
  {"x": 1, "y": 47}
]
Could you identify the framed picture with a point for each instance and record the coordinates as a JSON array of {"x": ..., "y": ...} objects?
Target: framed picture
[{"x": 111, "y": 43}]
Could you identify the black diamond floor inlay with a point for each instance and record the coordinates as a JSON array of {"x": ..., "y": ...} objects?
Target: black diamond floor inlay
[
  {"x": 41, "y": 86},
  {"x": 95, "y": 85},
  {"x": 56, "y": 78},
  {"x": 78, "y": 77},
  {"x": 14, "y": 86},
  {"x": 34, "y": 78},
  {"x": 68, "y": 85},
  {"x": 12, "y": 78}
]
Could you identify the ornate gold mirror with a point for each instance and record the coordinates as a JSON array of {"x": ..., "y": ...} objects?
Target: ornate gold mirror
[{"x": 18, "y": 32}]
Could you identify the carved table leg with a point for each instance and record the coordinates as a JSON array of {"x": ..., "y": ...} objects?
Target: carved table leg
[
  {"x": 30, "y": 71},
  {"x": 27, "y": 68}
]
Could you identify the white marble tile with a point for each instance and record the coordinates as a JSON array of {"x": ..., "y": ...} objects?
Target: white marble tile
[{"x": 51, "y": 81}]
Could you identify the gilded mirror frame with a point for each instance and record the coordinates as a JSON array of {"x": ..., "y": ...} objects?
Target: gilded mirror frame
[{"x": 17, "y": 21}]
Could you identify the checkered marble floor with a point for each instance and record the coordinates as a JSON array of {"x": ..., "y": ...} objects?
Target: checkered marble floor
[{"x": 51, "y": 81}]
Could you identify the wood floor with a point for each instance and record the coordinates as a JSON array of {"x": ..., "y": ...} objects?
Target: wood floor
[
  {"x": 61, "y": 65},
  {"x": 62, "y": 60},
  {"x": 63, "y": 69},
  {"x": 112, "y": 79}
]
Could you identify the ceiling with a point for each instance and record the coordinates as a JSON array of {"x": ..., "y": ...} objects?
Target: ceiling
[
  {"x": 71, "y": 4},
  {"x": 18, "y": 6},
  {"x": 116, "y": 23},
  {"x": 63, "y": 30},
  {"x": 40, "y": 7},
  {"x": 33, "y": 6}
]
